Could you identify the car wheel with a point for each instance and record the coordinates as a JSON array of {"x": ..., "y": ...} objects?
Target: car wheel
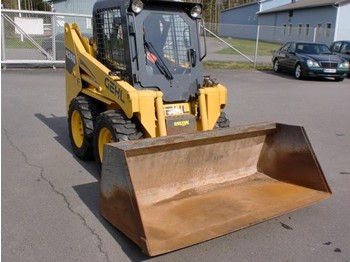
[
  {"x": 298, "y": 72},
  {"x": 276, "y": 66},
  {"x": 339, "y": 79}
]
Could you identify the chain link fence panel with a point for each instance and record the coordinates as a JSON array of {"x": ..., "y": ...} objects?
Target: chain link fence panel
[
  {"x": 256, "y": 44},
  {"x": 34, "y": 37}
]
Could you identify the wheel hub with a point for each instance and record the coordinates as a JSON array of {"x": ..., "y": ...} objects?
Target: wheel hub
[
  {"x": 77, "y": 129},
  {"x": 105, "y": 136}
]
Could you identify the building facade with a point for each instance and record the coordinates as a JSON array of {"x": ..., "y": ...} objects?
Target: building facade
[
  {"x": 79, "y": 7},
  {"x": 72, "y": 6},
  {"x": 305, "y": 20},
  {"x": 245, "y": 19}
]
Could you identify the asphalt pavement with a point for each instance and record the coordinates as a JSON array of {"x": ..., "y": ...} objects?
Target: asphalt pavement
[{"x": 50, "y": 198}]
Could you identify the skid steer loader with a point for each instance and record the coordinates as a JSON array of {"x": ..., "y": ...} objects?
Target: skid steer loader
[{"x": 173, "y": 173}]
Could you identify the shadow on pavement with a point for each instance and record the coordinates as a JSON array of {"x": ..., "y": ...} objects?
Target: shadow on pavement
[
  {"x": 59, "y": 125},
  {"x": 89, "y": 193}
]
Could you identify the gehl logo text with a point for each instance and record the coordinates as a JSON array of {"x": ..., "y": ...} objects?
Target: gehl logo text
[
  {"x": 117, "y": 91},
  {"x": 71, "y": 57},
  {"x": 174, "y": 110}
]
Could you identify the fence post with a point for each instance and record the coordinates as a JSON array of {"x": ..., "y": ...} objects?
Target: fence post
[
  {"x": 2, "y": 39},
  {"x": 53, "y": 32},
  {"x": 256, "y": 45}
]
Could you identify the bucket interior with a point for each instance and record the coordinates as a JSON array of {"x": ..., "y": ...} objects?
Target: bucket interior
[{"x": 190, "y": 189}]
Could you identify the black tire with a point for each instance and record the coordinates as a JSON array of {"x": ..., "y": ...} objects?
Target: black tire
[
  {"x": 339, "y": 79},
  {"x": 222, "y": 121},
  {"x": 112, "y": 126},
  {"x": 298, "y": 72},
  {"x": 82, "y": 115},
  {"x": 276, "y": 66}
]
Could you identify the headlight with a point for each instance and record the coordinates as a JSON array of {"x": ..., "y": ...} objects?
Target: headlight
[
  {"x": 312, "y": 63},
  {"x": 344, "y": 65},
  {"x": 196, "y": 11},
  {"x": 137, "y": 6}
]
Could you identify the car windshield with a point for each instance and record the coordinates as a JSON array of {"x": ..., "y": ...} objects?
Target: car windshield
[{"x": 314, "y": 49}]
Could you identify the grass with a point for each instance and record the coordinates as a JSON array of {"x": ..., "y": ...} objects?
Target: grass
[
  {"x": 247, "y": 47},
  {"x": 16, "y": 43},
  {"x": 236, "y": 65}
]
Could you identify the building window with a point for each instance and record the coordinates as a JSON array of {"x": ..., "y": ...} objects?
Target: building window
[
  {"x": 307, "y": 29},
  {"x": 300, "y": 26},
  {"x": 318, "y": 29},
  {"x": 328, "y": 29},
  {"x": 290, "y": 29}
]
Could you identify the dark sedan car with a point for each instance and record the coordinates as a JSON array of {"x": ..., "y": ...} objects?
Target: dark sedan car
[
  {"x": 309, "y": 60},
  {"x": 342, "y": 49},
  {"x": 47, "y": 45}
]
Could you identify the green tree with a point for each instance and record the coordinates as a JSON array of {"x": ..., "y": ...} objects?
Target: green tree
[
  {"x": 9, "y": 4},
  {"x": 26, "y": 5}
]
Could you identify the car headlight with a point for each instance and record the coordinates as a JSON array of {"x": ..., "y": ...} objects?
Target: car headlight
[
  {"x": 312, "y": 63},
  {"x": 344, "y": 65}
]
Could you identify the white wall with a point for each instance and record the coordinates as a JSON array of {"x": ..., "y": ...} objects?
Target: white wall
[{"x": 343, "y": 28}]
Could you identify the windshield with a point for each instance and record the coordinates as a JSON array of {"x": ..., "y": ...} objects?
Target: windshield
[
  {"x": 168, "y": 53},
  {"x": 314, "y": 49},
  {"x": 167, "y": 40}
]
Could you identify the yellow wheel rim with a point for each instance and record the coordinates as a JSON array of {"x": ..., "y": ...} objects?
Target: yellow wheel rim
[
  {"x": 105, "y": 136},
  {"x": 77, "y": 129}
]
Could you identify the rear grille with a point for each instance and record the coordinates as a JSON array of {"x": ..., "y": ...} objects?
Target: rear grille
[{"x": 329, "y": 65}]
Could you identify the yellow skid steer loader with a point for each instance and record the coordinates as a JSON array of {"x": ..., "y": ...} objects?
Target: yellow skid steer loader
[{"x": 173, "y": 173}]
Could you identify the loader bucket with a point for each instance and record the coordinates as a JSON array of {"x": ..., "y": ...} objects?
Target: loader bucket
[{"x": 171, "y": 192}]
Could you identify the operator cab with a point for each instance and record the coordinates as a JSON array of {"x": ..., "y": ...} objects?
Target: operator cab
[{"x": 151, "y": 44}]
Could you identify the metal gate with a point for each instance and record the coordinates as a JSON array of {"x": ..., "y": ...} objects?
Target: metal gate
[{"x": 36, "y": 38}]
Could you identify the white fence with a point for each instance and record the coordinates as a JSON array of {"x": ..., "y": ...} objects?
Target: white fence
[{"x": 36, "y": 38}]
